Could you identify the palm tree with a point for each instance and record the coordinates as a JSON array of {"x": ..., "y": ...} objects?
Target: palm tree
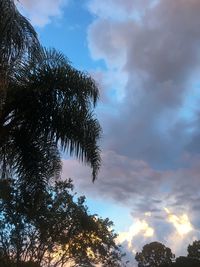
[
  {"x": 17, "y": 39},
  {"x": 17, "y": 36},
  {"x": 46, "y": 106}
]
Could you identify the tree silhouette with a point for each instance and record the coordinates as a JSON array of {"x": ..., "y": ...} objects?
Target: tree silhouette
[
  {"x": 194, "y": 250},
  {"x": 46, "y": 106},
  {"x": 18, "y": 40},
  {"x": 18, "y": 37},
  {"x": 186, "y": 262},
  {"x": 154, "y": 254},
  {"x": 60, "y": 231}
]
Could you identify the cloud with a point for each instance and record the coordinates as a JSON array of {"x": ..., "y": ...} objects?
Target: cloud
[
  {"x": 140, "y": 227},
  {"x": 181, "y": 223},
  {"x": 123, "y": 9},
  {"x": 132, "y": 240},
  {"x": 146, "y": 192},
  {"x": 110, "y": 83},
  {"x": 146, "y": 230},
  {"x": 155, "y": 121},
  {"x": 136, "y": 184},
  {"x": 150, "y": 116},
  {"x": 158, "y": 60},
  {"x": 42, "y": 12},
  {"x": 120, "y": 178}
]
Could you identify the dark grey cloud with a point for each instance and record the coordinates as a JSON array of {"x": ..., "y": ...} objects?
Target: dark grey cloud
[
  {"x": 159, "y": 54},
  {"x": 150, "y": 145},
  {"x": 160, "y": 57},
  {"x": 120, "y": 178},
  {"x": 156, "y": 122},
  {"x": 136, "y": 184}
]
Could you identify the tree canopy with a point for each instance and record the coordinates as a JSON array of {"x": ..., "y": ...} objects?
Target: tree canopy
[
  {"x": 60, "y": 231},
  {"x": 186, "y": 262},
  {"x": 154, "y": 254},
  {"x": 46, "y": 107},
  {"x": 194, "y": 250}
]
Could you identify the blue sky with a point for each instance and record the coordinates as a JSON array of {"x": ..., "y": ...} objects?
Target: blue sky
[{"x": 145, "y": 57}]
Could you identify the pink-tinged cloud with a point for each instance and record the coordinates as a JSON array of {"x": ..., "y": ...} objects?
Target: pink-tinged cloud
[{"x": 120, "y": 178}]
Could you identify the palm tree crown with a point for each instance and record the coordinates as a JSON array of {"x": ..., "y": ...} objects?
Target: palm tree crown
[{"x": 45, "y": 105}]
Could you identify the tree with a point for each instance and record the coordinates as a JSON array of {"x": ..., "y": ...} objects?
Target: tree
[
  {"x": 186, "y": 262},
  {"x": 60, "y": 231},
  {"x": 194, "y": 250},
  {"x": 46, "y": 106},
  {"x": 17, "y": 39},
  {"x": 154, "y": 255}
]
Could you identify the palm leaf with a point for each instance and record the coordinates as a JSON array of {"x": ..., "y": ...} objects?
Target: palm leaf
[
  {"x": 50, "y": 102},
  {"x": 17, "y": 36}
]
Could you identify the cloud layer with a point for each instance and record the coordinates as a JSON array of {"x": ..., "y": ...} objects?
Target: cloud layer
[
  {"x": 157, "y": 120},
  {"x": 151, "y": 150}
]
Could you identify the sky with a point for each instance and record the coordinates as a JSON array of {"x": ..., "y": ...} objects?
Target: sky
[{"x": 145, "y": 58}]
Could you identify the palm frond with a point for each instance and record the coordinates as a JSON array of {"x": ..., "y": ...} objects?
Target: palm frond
[
  {"x": 17, "y": 36},
  {"x": 48, "y": 97},
  {"x": 18, "y": 40}
]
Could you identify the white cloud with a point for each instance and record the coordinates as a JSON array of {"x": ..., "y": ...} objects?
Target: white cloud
[
  {"x": 139, "y": 227},
  {"x": 118, "y": 9},
  {"x": 146, "y": 230},
  {"x": 41, "y": 12},
  {"x": 181, "y": 223}
]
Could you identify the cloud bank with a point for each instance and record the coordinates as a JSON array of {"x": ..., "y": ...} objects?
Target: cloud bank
[{"x": 151, "y": 118}]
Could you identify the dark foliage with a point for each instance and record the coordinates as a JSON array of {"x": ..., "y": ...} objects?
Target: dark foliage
[
  {"x": 45, "y": 106},
  {"x": 61, "y": 230},
  {"x": 194, "y": 250},
  {"x": 186, "y": 262},
  {"x": 154, "y": 254}
]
